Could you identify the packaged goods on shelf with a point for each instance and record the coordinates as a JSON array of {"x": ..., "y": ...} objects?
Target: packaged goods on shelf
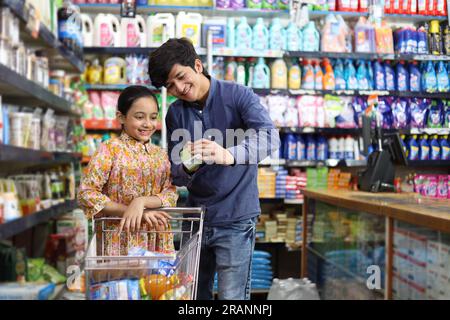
[{"x": 26, "y": 291}]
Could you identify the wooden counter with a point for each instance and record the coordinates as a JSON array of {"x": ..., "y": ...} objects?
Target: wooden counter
[{"x": 408, "y": 207}]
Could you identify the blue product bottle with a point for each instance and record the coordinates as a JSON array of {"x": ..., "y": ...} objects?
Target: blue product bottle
[
  {"x": 362, "y": 77},
  {"x": 311, "y": 148},
  {"x": 277, "y": 35},
  {"x": 243, "y": 37},
  {"x": 422, "y": 41},
  {"x": 311, "y": 37},
  {"x": 231, "y": 36},
  {"x": 339, "y": 75},
  {"x": 301, "y": 148},
  {"x": 402, "y": 78},
  {"x": 424, "y": 149},
  {"x": 429, "y": 79},
  {"x": 435, "y": 146},
  {"x": 260, "y": 34},
  {"x": 370, "y": 75},
  {"x": 389, "y": 75},
  {"x": 442, "y": 78},
  {"x": 379, "y": 77},
  {"x": 350, "y": 76},
  {"x": 445, "y": 148},
  {"x": 322, "y": 148},
  {"x": 414, "y": 78},
  {"x": 290, "y": 147},
  {"x": 292, "y": 37},
  {"x": 261, "y": 75},
  {"x": 413, "y": 149}
]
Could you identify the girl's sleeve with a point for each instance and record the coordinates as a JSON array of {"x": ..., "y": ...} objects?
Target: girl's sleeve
[
  {"x": 168, "y": 194},
  {"x": 90, "y": 195}
]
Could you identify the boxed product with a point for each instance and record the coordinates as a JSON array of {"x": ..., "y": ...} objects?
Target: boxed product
[{"x": 26, "y": 291}]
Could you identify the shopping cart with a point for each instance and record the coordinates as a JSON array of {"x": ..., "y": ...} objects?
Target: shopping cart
[{"x": 143, "y": 274}]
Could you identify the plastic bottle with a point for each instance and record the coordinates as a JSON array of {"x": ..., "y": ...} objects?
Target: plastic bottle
[
  {"x": 311, "y": 37},
  {"x": 435, "y": 146},
  {"x": 429, "y": 79},
  {"x": 241, "y": 72},
  {"x": 308, "y": 76},
  {"x": 261, "y": 76},
  {"x": 445, "y": 148},
  {"x": 422, "y": 41},
  {"x": 364, "y": 36},
  {"x": 260, "y": 35},
  {"x": 311, "y": 148},
  {"x": 279, "y": 74},
  {"x": 155, "y": 28},
  {"x": 254, "y": 4},
  {"x": 65, "y": 24},
  {"x": 134, "y": 32},
  {"x": 250, "y": 71},
  {"x": 402, "y": 77},
  {"x": 389, "y": 75},
  {"x": 322, "y": 148},
  {"x": 341, "y": 148},
  {"x": 350, "y": 75},
  {"x": 277, "y": 35},
  {"x": 318, "y": 76},
  {"x": 291, "y": 147},
  {"x": 333, "y": 148},
  {"x": 237, "y": 4},
  {"x": 403, "y": 142},
  {"x": 230, "y": 70},
  {"x": 283, "y": 4},
  {"x": 348, "y": 148},
  {"x": 106, "y": 31},
  {"x": 414, "y": 78},
  {"x": 379, "y": 76},
  {"x": 293, "y": 37},
  {"x": 442, "y": 78},
  {"x": 94, "y": 73},
  {"x": 294, "y": 77},
  {"x": 87, "y": 30},
  {"x": 301, "y": 148},
  {"x": 231, "y": 33},
  {"x": 446, "y": 39},
  {"x": 114, "y": 71},
  {"x": 243, "y": 37},
  {"x": 413, "y": 148},
  {"x": 223, "y": 4},
  {"x": 269, "y": 4},
  {"x": 434, "y": 38},
  {"x": 362, "y": 77},
  {"x": 328, "y": 78},
  {"x": 188, "y": 25},
  {"x": 339, "y": 75},
  {"x": 424, "y": 148}
]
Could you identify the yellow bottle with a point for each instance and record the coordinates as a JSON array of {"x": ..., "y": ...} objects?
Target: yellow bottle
[
  {"x": 94, "y": 73},
  {"x": 279, "y": 74},
  {"x": 295, "y": 77}
]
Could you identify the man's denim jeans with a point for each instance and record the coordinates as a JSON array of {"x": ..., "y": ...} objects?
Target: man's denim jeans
[{"x": 227, "y": 250}]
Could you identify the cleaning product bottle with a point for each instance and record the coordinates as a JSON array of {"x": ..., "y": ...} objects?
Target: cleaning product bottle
[
  {"x": 311, "y": 148},
  {"x": 279, "y": 74},
  {"x": 311, "y": 37},
  {"x": 389, "y": 75},
  {"x": 329, "y": 82},
  {"x": 277, "y": 35},
  {"x": 106, "y": 31},
  {"x": 379, "y": 76},
  {"x": 293, "y": 37},
  {"x": 370, "y": 75},
  {"x": 333, "y": 148},
  {"x": 413, "y": 149},
  {"x": 230, "y": 69},
  {"x": 414, "y": 77},
  {"x": 361, "y": 76},
  {"x": 156, "y": 24},
  {"x": 322, "y": 148},
  {"x": 291, "y": 147},
  {"x": 134, "y": 32},
  {"x": 94, "y": 73},
  {"x": 435, "y": 146},
  {"x": 350, "y": 75},
  {"x": 294, "y": 75},
  {"x": 250, "y": 71},
  {"x": 442, "y": 78},
  {"x": 318, "y": 76},
  {"x": 402, "y": 77},
  {"x": 240, "y": 71},
  {"x": 339, "y": 75},
  {"x": 261, "y": 76},
  {"x": 237, "y": 4},
  {"x": 348, "y": 149},
  {"x": 446, "y": 39},
  {"x": 254, "y": 4},
  {"x": 308, "y": 76},
  {"x": 283, "y": 4},
  {"x": 188, "y": 25},
  {"x": 269, "y": 4},
  {"x": 341, "y": 148},
  {"x": 301, "y": 148},
  {"x": 87, "y": 30},
  {"x": 260, "y": 35},
  {"x": 403, "y": 142},
  {"x": 445, "y": 148},
  {"x": 424, "y": 149},
  {"x": 231, "y": 34},
  {"x": 243, "y": 38},
  {"x": 114, "y": 71},
  {"x": 422, "y": 40},
  {"x": 429, "y": 79},
  {"x": 434, "y": 35}
]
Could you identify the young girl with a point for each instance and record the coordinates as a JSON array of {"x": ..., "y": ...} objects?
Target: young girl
[{"x": 129, "y": 177}]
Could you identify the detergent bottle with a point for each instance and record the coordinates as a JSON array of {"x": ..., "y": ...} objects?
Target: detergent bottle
[
  {"x": 350, "y": 75},
  {"x": 389, "y": 76},
  {"x": 188, "y": 25},
  {"x": 301, "y": 148},
  {"x": 414, "y": 77},
  {"x": 295, "y": 77},
  {"x": 231, "y": 33},
  {"x": 413, "y": 148},
  {"x": 322, "y": 149},
  {"x": 429, "y": 79},
  {"x": 156, "y": 24},
  {"x": 402, "y": 77},
  {"x": 114, "y": 71},
  {"x": 424, "y": 148},
  {"x": 435, "y": 148},
  {"x": 230, "y": 70},
  {"x": 106, "y": 31},
  {"x": 435, "y": 41},
  {"x": 254, "y": 4},
  {"x": 311, "y": 37},
  {"x": 403, "y": 142},
  {"x": 445, "y": 148},
  {"x": 241, "y": 73},
  {"x": 251, "y": 63},
  {"x": 442, "y": 78},
  {"x": 293, "y": 37},
  {"x": 362, "y": 77},
  {"x": 311, "y": 148},
  {"x": 243, "y": 38},
  {"x": 277, "y": 35},
  {"x": 290, "y": 147},
  {"x": 260, "y": 35},
  {"x": 134, "y": 32},
  {"x": 308, "y": 80},
  {"x": 318, "y": 76},
  {"x": 261, "y": 76},
  {"x": 279, "y": 74},
  {"x": 339, "y": 75},
  {"x": 94, "y": 74},
  {"x": 379, "y": 76},
  {"x": 87, "y": 29}
]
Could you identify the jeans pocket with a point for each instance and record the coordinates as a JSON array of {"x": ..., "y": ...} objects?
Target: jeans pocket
[{"x": 244, "y": 225}]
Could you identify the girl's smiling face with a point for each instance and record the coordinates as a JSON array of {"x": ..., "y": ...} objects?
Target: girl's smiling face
[{"x": 141, "y": 119}]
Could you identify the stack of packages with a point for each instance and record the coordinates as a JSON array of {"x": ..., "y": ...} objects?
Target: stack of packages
[
  {"x": 317, "y": 178},
  {"x": 281, "y": 227},
  {"x": 271, "y": 230},
  {"x": 266, "y": 183},
  {"x": 281, "y": 183},
  {"x": 294, "y": 231},
  {"x": 295, "y": 184}
]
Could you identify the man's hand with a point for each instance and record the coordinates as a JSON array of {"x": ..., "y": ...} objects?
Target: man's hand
[{"x": 212, "y": 153}]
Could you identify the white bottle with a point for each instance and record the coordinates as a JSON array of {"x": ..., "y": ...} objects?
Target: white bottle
[
  {"x": 333, "y": 148},
  {"x": 341, "y": 148},
  {"x": 189, "y": 26},
  {"x": 106, "y": 31},
  {"x": 157, "y": 25},
  {"x": 348, "y": 148},
  {"x": 134, "y": 32},
  {"x": 87, "y": 30}
]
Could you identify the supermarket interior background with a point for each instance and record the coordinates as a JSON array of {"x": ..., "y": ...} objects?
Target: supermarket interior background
[{"x": 320, "y": 67}]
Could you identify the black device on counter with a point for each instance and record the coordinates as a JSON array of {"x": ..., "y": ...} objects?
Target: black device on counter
[{"x": 380, "y": 172}]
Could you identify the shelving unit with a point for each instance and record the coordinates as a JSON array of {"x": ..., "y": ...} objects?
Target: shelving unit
[
  {"x": 113, "y": 87},
  {"x": 318, "y": 14}
]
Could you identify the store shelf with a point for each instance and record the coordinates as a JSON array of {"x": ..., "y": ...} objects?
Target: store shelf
[
  {"x": 17, "y": 226},
  {"x": 429, "y": 163},
  {"x": 117, "y": 50},
  {"x": 228, "y": 52},
  {"x": 113, "y": 87},
  {"x": 272, "y": 162},
  {"x": 293, "y": 201},
  {"x": 365, "y": 56},
  {"x": 397, "y": 17},
  {"x": 328, "y": 163},
  {"x": 60, "y": 57},
  {"x": 15, "y": 88},
  {"x": 281, "y": 200},
  {"x": 331, "y": 131},
  {"x": 94, "y": 124},
  {"x": 11, "y": 154}
]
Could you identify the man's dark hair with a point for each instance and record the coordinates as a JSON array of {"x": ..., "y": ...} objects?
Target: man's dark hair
[{"x": 174, "y": 51}]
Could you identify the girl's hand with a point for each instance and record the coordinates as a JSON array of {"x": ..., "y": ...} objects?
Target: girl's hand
[
  {"x": 156, "y": 219},
  {"x": 132, "y": 217}
]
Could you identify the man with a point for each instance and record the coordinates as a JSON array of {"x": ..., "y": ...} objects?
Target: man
[{"x": 226, "y": 182}]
